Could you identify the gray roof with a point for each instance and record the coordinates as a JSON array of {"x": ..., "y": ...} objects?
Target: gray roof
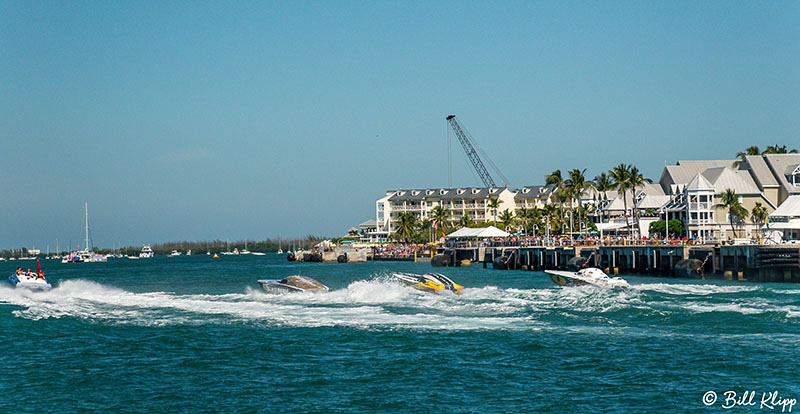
[
  {"x": 369, "y": 223},
  {"x": 472, "y": 193},
  {"x": 739, "y": 181},
  {"x": 699, "y": 183},
  {"x": 414, "y": 195},
  {"x": 534, "y": 191},
  {"x": 467, "y": 193},
  {"x": 759, "y": 170},
  {"x": 780, "y": 164},
  {"x": 685, "y": 170}
]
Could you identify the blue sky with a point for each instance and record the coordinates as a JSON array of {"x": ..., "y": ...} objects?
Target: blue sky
[{"x": 200, "y": 120}]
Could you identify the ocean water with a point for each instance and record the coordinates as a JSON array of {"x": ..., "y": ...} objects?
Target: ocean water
[{"x": 195, "y": 334}]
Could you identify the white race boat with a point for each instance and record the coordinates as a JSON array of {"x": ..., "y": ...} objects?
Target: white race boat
[
  {"x": 589, "y": 276},
  {"x": 30, "y": 280}
]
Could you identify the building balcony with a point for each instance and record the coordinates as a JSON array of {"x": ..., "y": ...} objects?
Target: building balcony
[{"x": 701, "y": 206}]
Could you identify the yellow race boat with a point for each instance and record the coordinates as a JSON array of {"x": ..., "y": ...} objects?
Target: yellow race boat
[{"x": 429, "y": 282}]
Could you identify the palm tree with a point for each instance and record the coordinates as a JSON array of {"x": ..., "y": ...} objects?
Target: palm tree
[
  {"x": 440, "y": 217},
  {"x": 621, "y": 177},
  {"x": 778, "y": 149},
  {"x": 575, "y": 186},
  {"x": 637, "y": 180},
  {"x": 602, "y": 183},
  {"x": 534, "y": 219},
  {"x": 406, "y": 225},
  {"x": 523, "y": 215},
  {"x": 555, "y": 180},
  {"x": 752, "y": 150},
  {"x": 494, "y": 204},
  {"x": 506, "y": 217},
  {"x": 736, "y": 212},
  {"x": 465, "y": 221},
  {"x": 758, "y": 214},
  {"x": 549, "y": 213}
]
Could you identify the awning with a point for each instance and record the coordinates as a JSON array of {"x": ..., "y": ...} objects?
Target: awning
[
  {"x": 789, "y": 208},
  {"x": 610, "y": 226},
  {"x": 485, "y": 232},
  {"x": 790, "y": 225}
]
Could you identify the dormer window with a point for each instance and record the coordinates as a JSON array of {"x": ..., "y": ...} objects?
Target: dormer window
[
  {"x": 543, "y": 190},
  {"x": 795, "y": 176},
  {"x": 414, "y": 193},
  {"x": 460, "y": 191},
  {"x": 429, "y": 192},
  {"x": 442, "y": 192},
  {"x": 526, "y": 190},
  {"x": 474, "y": 191}
]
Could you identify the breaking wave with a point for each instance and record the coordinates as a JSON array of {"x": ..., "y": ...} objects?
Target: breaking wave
[{"x": 382, "y": 303}]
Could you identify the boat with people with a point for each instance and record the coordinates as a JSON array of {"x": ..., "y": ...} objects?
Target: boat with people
[
  {"x": 146, "y": 252},
  {"x": 429, "y": 282},
  {"x": 590, "y": 276},
  {"x": 293, "y": 284},
  {"x": 30, "y": 280}
]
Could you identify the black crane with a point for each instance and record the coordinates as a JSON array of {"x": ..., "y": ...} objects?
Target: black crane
[{"x": 466, "y": 141}]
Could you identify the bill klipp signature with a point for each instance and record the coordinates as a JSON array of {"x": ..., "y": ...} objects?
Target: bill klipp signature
[{"x": 770, "y": 400}]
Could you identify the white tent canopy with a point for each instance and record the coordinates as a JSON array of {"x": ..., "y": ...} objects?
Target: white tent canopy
[
  {"x": 480, "y": 233},
  {"x": 790, "y": 208}
]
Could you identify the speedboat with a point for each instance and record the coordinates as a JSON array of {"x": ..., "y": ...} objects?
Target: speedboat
[
  {"x": 174, "y": 253},
  {"x": 30, "y": 280},
  {"x": 589, "y": 276},
  {"x": 293, "y": 284},
  {"x": 429, "y": 282}
]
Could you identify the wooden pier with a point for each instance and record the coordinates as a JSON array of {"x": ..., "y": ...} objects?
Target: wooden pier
[{"x": 758, "y": 263}]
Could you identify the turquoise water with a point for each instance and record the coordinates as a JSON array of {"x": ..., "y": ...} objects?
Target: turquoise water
[{"x": 192, "y": 334}]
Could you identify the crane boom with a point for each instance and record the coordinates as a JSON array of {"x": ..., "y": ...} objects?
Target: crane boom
[{"x": 463, "y": 138}]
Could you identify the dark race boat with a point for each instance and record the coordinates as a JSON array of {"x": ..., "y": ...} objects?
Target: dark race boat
[{"x": 293, "y": 284}]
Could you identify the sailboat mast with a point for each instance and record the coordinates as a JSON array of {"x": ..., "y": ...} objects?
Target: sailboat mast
[{"x": 87, "y": 226}]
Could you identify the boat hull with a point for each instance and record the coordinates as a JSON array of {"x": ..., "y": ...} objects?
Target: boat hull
[
  {"x": 586, "y": 277},
  {"x": 431, "y": 282},
  {"x": 30, "y": 283},
  {"x": 565, "y": 279},
  {"x": 293, "y": 284}
]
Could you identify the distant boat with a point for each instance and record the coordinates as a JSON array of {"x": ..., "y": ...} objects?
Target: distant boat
[
  {"x": 174, "y": 253},
  {"x": 147, "y": 252},
  {"x": 258, "y": 254},
  {"x": 85, "y": 255},
  {"x": 280, "y": 250},
  {"x": 216, "y": 256},
  {"x": 245, "y": 251},
  {"x": 228, "y": 251}
]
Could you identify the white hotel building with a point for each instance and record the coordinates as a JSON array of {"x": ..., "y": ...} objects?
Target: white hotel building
[
  {"x": 471, "y": 201},
  {"x": 688, "y": 191}
]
